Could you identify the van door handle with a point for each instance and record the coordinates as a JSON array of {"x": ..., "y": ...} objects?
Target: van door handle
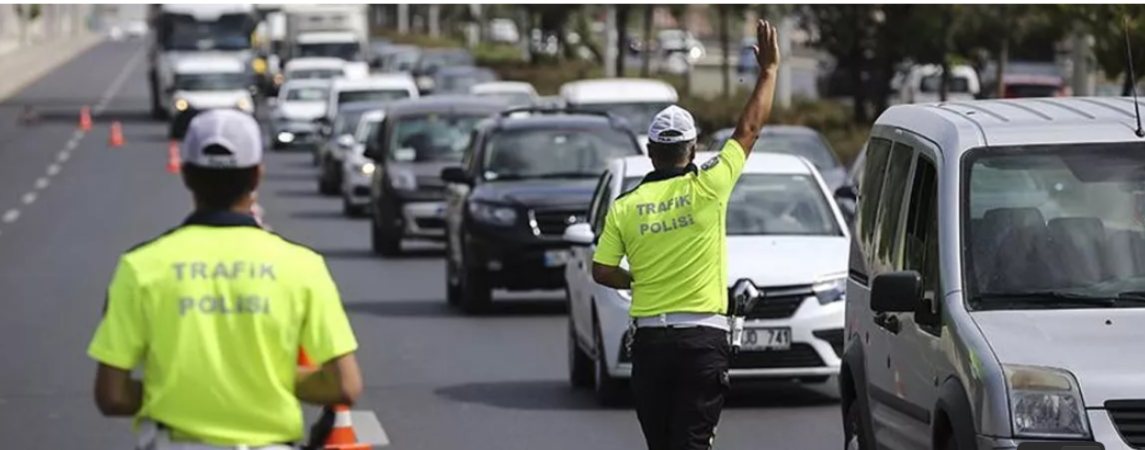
[{"x": 888, "y": 322}]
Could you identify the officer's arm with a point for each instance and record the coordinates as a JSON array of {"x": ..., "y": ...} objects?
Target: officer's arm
[
  {"x": 609, "y": 251},
  {"x": 758, "y": 108},
  {"x": 116, "y": 394},
  {"x": 329, "y": 341}
]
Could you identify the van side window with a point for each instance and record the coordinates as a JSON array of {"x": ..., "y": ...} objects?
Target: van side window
[
  {"x": 878, "y": 151},
  {"x": 604, "y": 195},
  {"x": 890, "y": 208},
  {"x": 920, "y": 246}
]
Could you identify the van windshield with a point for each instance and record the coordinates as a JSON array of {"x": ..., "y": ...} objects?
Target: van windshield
[
  {"x": 211, "y": 82},
  {"x": 1047, "y": 223}
]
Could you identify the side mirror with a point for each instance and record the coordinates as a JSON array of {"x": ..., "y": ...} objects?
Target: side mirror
[
  {"x": 847, "y": 192},
  {"x": 346, "y": 141},
  {"x": 455, "y": 175},
  {"x": 896, "y": 292},
  {"x": 371, "y": 152},
  {"x": 579, "y": 234}
]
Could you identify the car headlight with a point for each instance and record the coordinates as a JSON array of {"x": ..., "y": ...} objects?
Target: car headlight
[
  {"x": 403, "y": 181},
  {"x": 1045, "y": 403},
  {"x": 367, "y": 168},
  {"x": 286, "y": 137},
  {"x": 243, "y": 104},
  {"x": 181, "y": 105},
  {"x": 493, "y": 214},
  {"x": 830, "y": 289}
]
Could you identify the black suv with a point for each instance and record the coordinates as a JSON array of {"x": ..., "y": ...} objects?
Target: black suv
[
  {"x": 416, "y": 140},
  {"x": 523, "y": 180}
]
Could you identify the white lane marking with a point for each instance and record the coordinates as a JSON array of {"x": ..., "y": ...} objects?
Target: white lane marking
[
  {"x": 53, "y": 169},
  {"x": 77, "y": 135},
  {"x": 11, "y": 215},
  {"x": 42, "y": 183},
  {"x": 117, "y": 84},
  {"x": 29, "y": 198},
  {"x": 368, "y": 429},
  {"x": 64, "y": 156},
  {"x": 71, "y": 145}
]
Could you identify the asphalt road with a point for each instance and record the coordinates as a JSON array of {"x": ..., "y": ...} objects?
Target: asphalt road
[{"x": 436, "y": 380}]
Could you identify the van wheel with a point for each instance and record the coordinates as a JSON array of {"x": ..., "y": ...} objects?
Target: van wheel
[
  {"x": 951, "y": 443},
  {"x": 853, "y": 433}
]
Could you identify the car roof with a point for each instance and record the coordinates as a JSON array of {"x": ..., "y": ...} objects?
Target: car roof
[
  {"x": 541, "y": 121},
  {"x": 444, "y": 103},
  {"x": 618, "y": 90},
  {"x": 209, "y": 64},
  {"x": 758, "y": 163},
  {"x": 386, "y": 80},
  {"x": 357, "y": 107},
  {"x": 315, "y": 63},
  {"x": 322, "y": 37},
  {"x": 960, "y": 126},
  {"x": 503, "y": 87},
  {"x": 305, "y": 83}
]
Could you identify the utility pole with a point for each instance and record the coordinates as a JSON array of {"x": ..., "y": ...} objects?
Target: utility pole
[
  {"x": 403, "y": 18},
  {"x": 783, "y": 82},
  {"x": 434, "y": 20},
  {"x": 610, "y": 46}
]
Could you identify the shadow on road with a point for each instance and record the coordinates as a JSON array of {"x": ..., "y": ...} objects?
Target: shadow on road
[
  {"x": 439, "y": 308},
  {"x": 106, "y": 117},
  {"x": 539, "y": 395},
  {"x": 291, "y": 176},
  {"x": 347, "y": 254},
  {"x": 298, "y": 193},
  {"x": 320, "y": 214},
  {"x": 777, "y": 395},
  {"x": 419, "y": 253}
]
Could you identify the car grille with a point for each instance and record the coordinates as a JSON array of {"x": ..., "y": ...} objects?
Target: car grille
[
  {"x": 833, "y": 337},
  {"x": 303, "y": 137},
  {"x": 430, "y": 223},
  {"x": 799, "y": 356},
  {"x": 554, "y": 222},
  {"x": 779, "y": 302},
  {"x": 1129, "y": 418},
  {"x": 430, "y": 184}
]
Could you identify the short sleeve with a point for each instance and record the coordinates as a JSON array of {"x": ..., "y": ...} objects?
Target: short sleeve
[
  {"x": 719, "y": 174},
  {"x": 119, "y": 339},
  {"x": 609, "y": 247},
  {"x": 326, "y": 332}
]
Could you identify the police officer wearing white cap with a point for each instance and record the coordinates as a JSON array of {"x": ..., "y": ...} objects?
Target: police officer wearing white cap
[
  {"x": 215, "y": 311},
  {"x": 671, "y": 229}
]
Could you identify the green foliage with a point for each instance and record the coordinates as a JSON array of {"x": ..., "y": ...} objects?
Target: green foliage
[
  {"x": 34, "y": 11},
  {"x": 1109, "y": 24}
]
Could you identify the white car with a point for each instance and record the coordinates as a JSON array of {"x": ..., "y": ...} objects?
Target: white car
[
  {"x": 314, "y": 67},
  {"x": 300, "y": 103},
  {"x": 515, "y": 93},
  {"x": 357, "y": 169},
  {"x": 635, "y": 100},
  {"x": 784, "y": 233},
  {"x": 376, "y": 88},
  {"x": 211, "y": 82}
]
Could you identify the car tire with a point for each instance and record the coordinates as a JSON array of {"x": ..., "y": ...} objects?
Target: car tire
[
  {"x": 581, "y": 365},
  {"x": 609, "y": 391},
  {"x": 350, "y": 210},
  {"x": 476, "y": 294},
  {"x": 854, "y": 437},
  {"x": 382, "y": 243},
  {"x": 326, "y": 183}
]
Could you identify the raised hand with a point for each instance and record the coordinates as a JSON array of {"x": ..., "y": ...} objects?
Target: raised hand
[{"x": 766, "y": 46}]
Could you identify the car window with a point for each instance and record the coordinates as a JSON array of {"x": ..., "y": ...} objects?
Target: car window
[
  {"x": 920, "y": 243},
  {"x": 462, "y": 81},
  {"x": 347, "y": 122},
  {"x": 378, "y": 95},
  {"x": 602, "y": 201},
  {"x": 812, "y": 147},
  {"x": 788, "y": 205},
  {"x": 878, "y": 153},
  {"x": 314, "y": 74},
  {"x": 307, "y": 94},
  {"x": 348, "y": 51},
  {"x": 432, "y": 137},
  {"x": 957, "y": 84},
  {"x": 366, "y": 130},
  {"x": 547, "y": 152},
  {"x": 890, "y": 207}
]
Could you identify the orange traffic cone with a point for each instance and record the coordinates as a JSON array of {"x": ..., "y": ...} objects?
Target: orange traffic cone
[
  {"x": 85, "y": 119},
  {"x": 116, "y": 139},
  {"x": 304, "y": 360},
  {"x": 342, "y": 436},
  {"x": 173, "y": 162}
]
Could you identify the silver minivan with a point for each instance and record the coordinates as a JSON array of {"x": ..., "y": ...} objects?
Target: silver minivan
[{"x": 996, "y": 291}]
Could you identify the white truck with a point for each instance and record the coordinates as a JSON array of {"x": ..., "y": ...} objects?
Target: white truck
[
  {"x": 339, "y": 31},
  {"x": 193, "y": 30}
]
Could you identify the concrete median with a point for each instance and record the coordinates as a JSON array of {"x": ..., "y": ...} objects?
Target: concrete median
[{"x": 25, "y": 64}]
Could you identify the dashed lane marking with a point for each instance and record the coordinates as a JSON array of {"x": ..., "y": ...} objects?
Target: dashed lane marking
[
  {"x": 119, "y": 80},
  {"x": 29, "y": 198},
  {"x": 53, "y": 169},
  {"x": 11, "y": 215},
  {"x": 42, "y": 183},
  {"x": 64, "y": 155},
  {"x": 368, "y": 429}
]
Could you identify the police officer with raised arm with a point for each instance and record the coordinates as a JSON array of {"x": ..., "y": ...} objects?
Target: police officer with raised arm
[
  {"x": 671, "y": 228},
  {"x": 215, "y": 311}
]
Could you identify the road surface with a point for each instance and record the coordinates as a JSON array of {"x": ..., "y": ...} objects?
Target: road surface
[{"x": 437, "y": 380}]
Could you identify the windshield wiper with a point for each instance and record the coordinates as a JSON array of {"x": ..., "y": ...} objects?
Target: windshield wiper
[{"x": 1048, "y": 298}]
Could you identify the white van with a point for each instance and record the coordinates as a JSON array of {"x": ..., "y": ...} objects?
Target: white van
[
  {"x": 210, "y": 82},
  {"x": 636, "y": 100},
  {"x": 376, "y": 88},
  {"x": 997, "y": 278},
  {"x": 315, "y": 68},
  {"x": 921, "y": 84}
]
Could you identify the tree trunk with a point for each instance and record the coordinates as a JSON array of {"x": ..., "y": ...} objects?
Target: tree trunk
[
  {"x": 621, "y": 38},
  {"x": 1000, "y": 69},
  {"x": 645, "y": 54},
  {"x": 725, "y": 63}
]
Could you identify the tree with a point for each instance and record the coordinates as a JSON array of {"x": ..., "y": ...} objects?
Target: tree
[
  {"x": 622, "y": 13},
  {"x": 1109, "y": 25},
  {"x": 847, "y": 32},
  {"x": 645, "y": 53}
]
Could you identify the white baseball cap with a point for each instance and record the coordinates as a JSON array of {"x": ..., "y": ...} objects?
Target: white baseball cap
[
  {"x": 676, "y": 120},
  {"x": 237, "y": 133}
]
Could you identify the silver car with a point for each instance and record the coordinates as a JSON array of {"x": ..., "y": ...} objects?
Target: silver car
[
  {"x": 357, "y": 169},
  {"x": 997, "y": 278}
]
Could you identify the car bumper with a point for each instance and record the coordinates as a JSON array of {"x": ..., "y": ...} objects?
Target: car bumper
[
  {"x": 516, "y": 265},
  {"x": 355, "y": 187},
  {"x": 424, "y": 219},
  {"x": 1101, "y": 424},
  {"x": 816, "y": 342}
]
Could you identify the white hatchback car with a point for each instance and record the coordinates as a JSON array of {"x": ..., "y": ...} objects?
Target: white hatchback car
[
  {"x": 784, "y": 233},
  {"x": 357, "y": 169}
]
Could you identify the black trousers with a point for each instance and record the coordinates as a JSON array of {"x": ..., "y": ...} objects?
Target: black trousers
[{"x": 679, "y": 380}]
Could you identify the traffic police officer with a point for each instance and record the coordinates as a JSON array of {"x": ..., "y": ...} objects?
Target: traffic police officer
[
  {"x": 671, "y": 228},
  {"x": 215, "y": 311}
]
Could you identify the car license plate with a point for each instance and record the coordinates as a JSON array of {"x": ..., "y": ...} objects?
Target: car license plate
[
  {"x": 759, "y": 339},
  {"x": 556, "y": 258}
]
